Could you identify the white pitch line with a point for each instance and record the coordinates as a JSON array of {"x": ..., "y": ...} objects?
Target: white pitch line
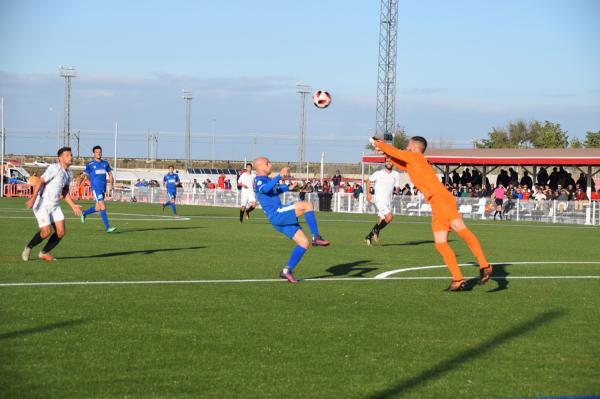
[
  {"x": 385, "y": 275},
  {"x": 271, "y": 280}
]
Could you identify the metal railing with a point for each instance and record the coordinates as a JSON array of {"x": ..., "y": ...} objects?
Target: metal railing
[{"x": 549, "y": 211}]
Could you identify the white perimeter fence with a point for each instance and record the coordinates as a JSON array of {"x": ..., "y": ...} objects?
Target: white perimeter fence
[{"x": 551, "y": 211}]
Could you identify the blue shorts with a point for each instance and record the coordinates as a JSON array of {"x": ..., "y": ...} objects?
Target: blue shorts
[
  {"x": 172, "y": 195},
  {"x": 98, "y": 194},
  {"x": 285, "y": 221}
]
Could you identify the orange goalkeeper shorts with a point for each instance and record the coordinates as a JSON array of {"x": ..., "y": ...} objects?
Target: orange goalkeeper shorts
[{"x": 443, "y": 211}]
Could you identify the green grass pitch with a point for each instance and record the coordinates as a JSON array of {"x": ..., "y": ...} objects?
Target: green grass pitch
[{"x": 342, "y": 336}]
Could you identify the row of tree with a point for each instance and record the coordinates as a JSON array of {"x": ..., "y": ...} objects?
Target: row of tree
[
  {"x": 535, "y": 134},
  {"x": 520, "y": 134}
]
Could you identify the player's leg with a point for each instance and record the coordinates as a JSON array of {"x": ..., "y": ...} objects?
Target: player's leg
[
  {"x": 92, "y": 209},
  {"x": 485, "y": 269},
  {"x": 167, "y": 202},
  {"x": 302, "y": 244},
  {"x": 373, "y": 232},
  {"x": 242, "y": 212},
  {"x": 250, "y": 209},
  {"x": 173, "y": 203},
  {"x": 44, "y": 231},
  {"x": 59, "y": 233},
  {"x": 306, "y": 209},
  {"x": 440, "y": 237},
  {"x": 385, "y": 220},
  {"x": 101, "y": 207}
]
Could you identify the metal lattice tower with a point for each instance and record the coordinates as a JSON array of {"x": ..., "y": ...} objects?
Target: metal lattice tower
[
  {"x": 386, "y": 77},
  {"x": 303, "y": 90},
  {"x": 187, "y": 96},
  {"x": 67, "y": 73}
]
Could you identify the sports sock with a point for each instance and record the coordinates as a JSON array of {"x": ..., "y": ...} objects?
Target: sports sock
[
  {"x": 374, "y": 230},
  {"x": 450, "y": 260},
  {"x": 248, "y": 210},
  {"x": 167, "y": 203},
  {"x": 381, "y": 225},
  {"x": 174, "y": 208},
  {"x": 295, "y": 257},
  {"x": 242, "y": 215},
  {"x": 89, "y": 211},
  {"x": 311, "y": 220},
  {"x": 473, "y": 243},
  {"x": 37, "y": 238},
  {"x": 52, "y": 242},
  {"x": 104, "y": 219}
]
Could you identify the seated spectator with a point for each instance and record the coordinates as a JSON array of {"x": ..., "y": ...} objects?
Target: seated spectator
[
  {"x": 357, "y": 191},
  {"x": 227, "y": 184},
  {"x": 580, "y": 199},
  {"x": 326, "y": 187},
  {"x": 563, "y": 200},
  {"x": 596, "y": 195}
]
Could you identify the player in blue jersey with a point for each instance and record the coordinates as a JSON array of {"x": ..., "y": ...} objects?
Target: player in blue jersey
[
  {"x": 97, "y": 170},
  {"x": 285, "y": 217},
  {"x": 171, "y": 180}
]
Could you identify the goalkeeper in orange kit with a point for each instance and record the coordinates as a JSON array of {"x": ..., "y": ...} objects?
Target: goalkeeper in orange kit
[{"x": 444, "y": 215}]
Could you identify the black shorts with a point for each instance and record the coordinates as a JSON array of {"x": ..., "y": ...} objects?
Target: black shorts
[{"x": 499, "y": 201}]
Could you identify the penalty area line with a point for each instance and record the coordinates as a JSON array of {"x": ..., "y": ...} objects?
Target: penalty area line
[{"x": 272, "y": 280}]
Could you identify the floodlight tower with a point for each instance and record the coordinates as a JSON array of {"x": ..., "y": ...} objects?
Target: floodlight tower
[
  {"x": 386, "y": 77},
  {"x": 303, "y": 90},
  {"x": 187, "y": 96},
  {"x": 67, "y": 73}
]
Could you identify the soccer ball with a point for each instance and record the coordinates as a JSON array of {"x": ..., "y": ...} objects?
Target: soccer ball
[{"x": 321, "y": 99}]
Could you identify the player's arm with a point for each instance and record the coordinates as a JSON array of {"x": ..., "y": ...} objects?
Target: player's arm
[
  {"x": 265, "y": 188},
  {"x": 368, "y": 189},
  {"x": 404, "y": 157},
  {"x": 67, "y": 195},
  {"x": 36, "y": 189}
]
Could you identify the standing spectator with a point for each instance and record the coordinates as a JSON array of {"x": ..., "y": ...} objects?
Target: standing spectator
[
  {"x": 227, "y": 184},
  {"x": 582, "y": 181},
  {"x": 337, "y": 181},
  {"x": 326, "y": 187},
  {"x": 514, "y": 177},
  {"x": 542, "y": 177},
  {"x": 526, "y": 180},
  {"x": 554, "y": 179},
  {"x": 221, "y": 181}
]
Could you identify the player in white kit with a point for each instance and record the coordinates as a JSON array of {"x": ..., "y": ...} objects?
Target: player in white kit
[
  {"x": 45, "y": 202},
  {"x": 386, "y": 181},
  {"x": 248, "y": 200}
]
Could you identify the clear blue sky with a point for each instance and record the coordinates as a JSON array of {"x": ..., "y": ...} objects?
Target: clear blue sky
[{"x": 463, "y": 68}]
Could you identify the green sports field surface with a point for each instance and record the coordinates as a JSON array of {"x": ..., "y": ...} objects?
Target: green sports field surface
[{"x": 203, "y": 315}]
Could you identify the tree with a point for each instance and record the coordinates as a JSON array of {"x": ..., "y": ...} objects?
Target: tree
[
  {"x": 514, "y": 135},
  {"x": 592, "y": 139},
  {"x": 576, "y": 143},
  {"x": 400, "y": 139},
  {"x": 548, "y": 135}
]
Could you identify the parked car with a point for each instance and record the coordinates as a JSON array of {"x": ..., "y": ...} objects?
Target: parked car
[{"x": 40, "y": 163}]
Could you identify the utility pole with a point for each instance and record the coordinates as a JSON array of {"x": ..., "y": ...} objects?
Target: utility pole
[
  {"x": 386, "y": 76},
  {"x": 303, "y": 90},
  {"x": 67, "y": 73},
  {"x": 187, "y": 96},
  {"x": 77, "y": 135},
  {"x": 2, "y": 141}
]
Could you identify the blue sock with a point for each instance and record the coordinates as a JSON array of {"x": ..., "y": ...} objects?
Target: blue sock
[
  {"x": 89, "y": 211},
  {"x": 311, "y": 220},
  {"x": 295, "y": 257},
  {"x": 104, "y": 219},
  {"x": 167, "y": 203},
  {"x": 173, "y": 207}
]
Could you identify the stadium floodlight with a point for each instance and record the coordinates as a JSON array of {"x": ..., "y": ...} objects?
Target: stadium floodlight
[
  {"x": 67, "y": 73},
  {"x": 303, "y": 90},
  {"x": 187, "y": 96}
]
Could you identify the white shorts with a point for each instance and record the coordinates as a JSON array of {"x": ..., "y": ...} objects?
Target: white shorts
[
  {"x": 248, "y": 198},
  {"x": 46, "y": 215},
  {"x": 383, "y": 208}
]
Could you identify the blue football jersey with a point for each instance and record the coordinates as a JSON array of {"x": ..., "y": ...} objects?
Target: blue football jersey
[
  {"x": 267, "y": 193},
  {"x": 97, "y": 171},
  {"x": 171, "y": 180}
]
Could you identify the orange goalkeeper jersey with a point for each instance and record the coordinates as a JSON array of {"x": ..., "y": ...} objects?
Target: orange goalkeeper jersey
[{"x": 419, "y": 170}]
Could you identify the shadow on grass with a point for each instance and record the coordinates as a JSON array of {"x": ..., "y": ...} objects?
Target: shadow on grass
[
  {"x": 467, "y": 355},
  {"x": 137, "y": 252},
  {"x": 40, "y": 329},
  {"x": 500, "y": 277},
  {"x": 124, "y": 231},
  {"x": 419, "y": 242},
  {"x": 345, "y": 269}
]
